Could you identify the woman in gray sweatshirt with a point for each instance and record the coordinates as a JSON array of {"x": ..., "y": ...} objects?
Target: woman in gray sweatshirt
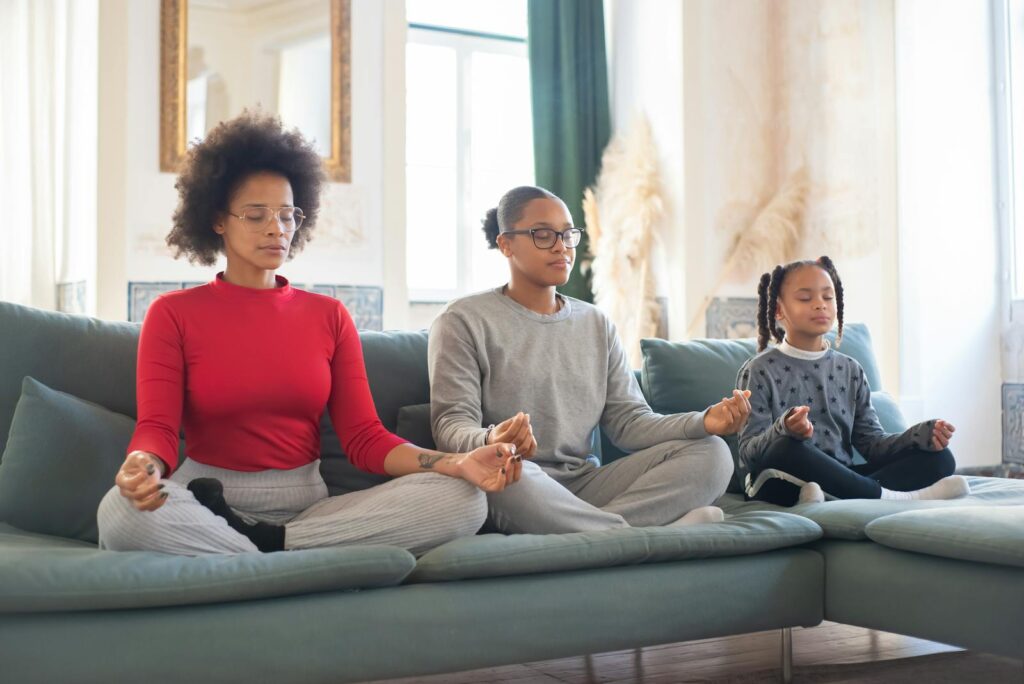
[{"x": 525, "y": 364}]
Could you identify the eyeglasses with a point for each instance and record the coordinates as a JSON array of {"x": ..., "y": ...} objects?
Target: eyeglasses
[
  {"x": 544, "y": 238},
  {"x": 258, "y": 218}
]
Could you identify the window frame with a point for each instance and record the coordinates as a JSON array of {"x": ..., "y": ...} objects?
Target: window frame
[
  {"x": 1011, "y": 228},
  {"x": 465, "y": 43}
]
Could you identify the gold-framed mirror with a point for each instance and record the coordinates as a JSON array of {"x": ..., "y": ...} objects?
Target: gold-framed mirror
[{"x": 301, "y": 35}]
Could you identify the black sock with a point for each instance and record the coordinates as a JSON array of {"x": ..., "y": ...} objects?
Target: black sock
[{"x": 210, "y": 492}]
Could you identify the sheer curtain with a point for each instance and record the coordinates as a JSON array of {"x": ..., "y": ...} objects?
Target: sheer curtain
[{"x": 48, "y": 98}]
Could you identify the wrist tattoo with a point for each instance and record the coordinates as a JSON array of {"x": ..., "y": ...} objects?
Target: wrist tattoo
[{"x": 428, "y": 461}]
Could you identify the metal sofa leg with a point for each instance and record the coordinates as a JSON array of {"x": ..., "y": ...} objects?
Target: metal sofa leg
[{"x": 787, "y": 655}]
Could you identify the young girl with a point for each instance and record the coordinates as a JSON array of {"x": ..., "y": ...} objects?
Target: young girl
[{"x": 811, "y": 406}]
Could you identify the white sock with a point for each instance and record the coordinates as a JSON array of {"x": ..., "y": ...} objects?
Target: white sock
[
  {"x": 700, "y": 516},
  {"x": 811, "y": 493},
  {"x": 952, "y": 487}
]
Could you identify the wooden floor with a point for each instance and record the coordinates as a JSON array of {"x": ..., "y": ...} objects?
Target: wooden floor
[{"x": 751, "y": 658}]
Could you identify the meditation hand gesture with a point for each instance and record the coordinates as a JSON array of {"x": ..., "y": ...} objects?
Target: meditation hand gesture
[
  {"x": 941, "y": 434},
  {"x": 518, "y": 431},
  {"x": 492, "y": 467},
  {"x": 728, "y": 416},
  {"x": 798, "y": 424},
  {"x": 139, "y": 481}
]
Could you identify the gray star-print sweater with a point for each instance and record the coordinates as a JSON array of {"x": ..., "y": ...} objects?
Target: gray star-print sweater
[{"x": 836, "y": 390}]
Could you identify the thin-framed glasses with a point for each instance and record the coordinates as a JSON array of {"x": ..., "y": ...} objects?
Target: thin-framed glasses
[
  {"x": 544, "y": 238},
  {"x": 258, "y": 218}
]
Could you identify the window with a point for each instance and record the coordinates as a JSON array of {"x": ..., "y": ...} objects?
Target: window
[
  {"x": 1009, "y": 73},
  {"x": 469, "y": 137}
]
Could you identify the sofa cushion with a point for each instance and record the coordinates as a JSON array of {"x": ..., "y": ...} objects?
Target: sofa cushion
[
  {"x": 396, "y": 366},
  {"x": 849, "y": 519},
  {"x": 986, "y": 534},
  {"x": 889, "y": 413},
  {"x": 414, "y": 425},
  {"x": 85, "y": 357},
  {"x": 40, "y": 573},
  {"x": 61, "y": 458},
  {"x": 495, "y": 555}
]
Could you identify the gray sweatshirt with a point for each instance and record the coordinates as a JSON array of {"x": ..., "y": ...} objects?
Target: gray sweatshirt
[
  {"x": 836, "y": 390},
  {"x": 490, "y": 358}
]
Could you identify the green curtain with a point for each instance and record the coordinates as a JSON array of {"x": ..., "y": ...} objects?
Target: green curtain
[{"x": 571, "y": 118}]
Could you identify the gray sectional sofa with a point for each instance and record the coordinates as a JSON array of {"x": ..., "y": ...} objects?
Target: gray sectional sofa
[{"x": 70, "y": 612}]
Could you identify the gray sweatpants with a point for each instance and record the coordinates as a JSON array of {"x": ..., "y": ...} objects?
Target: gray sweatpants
[
  {"x": 416, "y": 512},
  {"x": 654, "y": 486}
]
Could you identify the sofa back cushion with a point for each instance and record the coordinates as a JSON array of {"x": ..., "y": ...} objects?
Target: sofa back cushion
[
  {"x": 85, "y": 357},
  {"x": 396, "y": 367}
]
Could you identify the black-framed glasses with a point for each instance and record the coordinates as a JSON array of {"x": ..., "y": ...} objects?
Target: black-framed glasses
[
  {"x": 258, "y": 218},
  {"x": 544, "y": 238}
]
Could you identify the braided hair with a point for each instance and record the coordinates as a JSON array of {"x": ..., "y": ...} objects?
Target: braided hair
[{"x": 768, "y": 290}]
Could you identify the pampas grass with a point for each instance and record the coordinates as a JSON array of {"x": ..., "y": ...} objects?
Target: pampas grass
[
  {"x": 772, "y": 238},
  {"x": 621, "y": 212}
]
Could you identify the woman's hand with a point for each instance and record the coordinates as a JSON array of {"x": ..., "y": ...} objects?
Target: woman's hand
[
  {"x": 941, "y": 434},
  {"x": 139, "y": 481},
  {"x": 492, "y": 467},
  {"x": 516, "y": 430},
  {"x": 798, "y": 424},
  {"x": 728, "y": 416}
]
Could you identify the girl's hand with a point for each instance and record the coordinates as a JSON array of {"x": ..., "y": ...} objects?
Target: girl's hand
[
  {"x": 941, "y": 434},
  {"x": 516, "y": 430},
  {"x": 798, "y": 424},
  {"x": 139, "y": 481},
  {"x": 492, "y": 467},
  {"x": 728, "y": 416}
]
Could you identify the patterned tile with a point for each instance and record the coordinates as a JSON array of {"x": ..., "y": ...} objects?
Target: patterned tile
[
  {"x": 1013, "y": 423},
  {"x": 364, "y": 302},
  {"x": 732, "y": 318},
  {"x": 71, "y": 297}
]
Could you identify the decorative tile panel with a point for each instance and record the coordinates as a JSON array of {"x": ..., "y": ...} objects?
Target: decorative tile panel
[
  {"x": 732, "y": 318},
  {"x": 142, "y": 294},
  {"x": 71, "y": 297},
  {"x": 1013, "y": 423},
  {"x": 364, "y": 302}
]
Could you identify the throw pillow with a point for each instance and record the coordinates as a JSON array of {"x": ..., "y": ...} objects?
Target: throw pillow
[{"x": 61, "y": 458}]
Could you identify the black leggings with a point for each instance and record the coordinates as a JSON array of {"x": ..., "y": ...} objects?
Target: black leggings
[{"x": 906, "y": 471}]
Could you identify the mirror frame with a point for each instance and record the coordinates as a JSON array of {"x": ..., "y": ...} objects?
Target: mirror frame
[{"x": 173, "y": 78}]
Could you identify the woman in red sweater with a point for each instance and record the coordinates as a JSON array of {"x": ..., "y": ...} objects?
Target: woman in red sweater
[{"x": 247, "y": 363}]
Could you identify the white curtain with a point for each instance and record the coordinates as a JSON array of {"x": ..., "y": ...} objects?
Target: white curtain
[{"x": 48, "y": 152}]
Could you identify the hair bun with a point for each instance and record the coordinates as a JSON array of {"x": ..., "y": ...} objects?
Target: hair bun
[{"x": 490, "y": 227}]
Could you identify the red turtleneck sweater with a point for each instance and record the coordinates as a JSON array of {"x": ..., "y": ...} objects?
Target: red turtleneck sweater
[{"x": 248, "y": 373}]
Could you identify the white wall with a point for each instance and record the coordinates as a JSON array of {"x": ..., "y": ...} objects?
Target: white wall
[
  {"x": 645, "y": 78},
  {"x": 739, "y": 95},
  {"x": 138, "y": 200},
  {"x": 949, "y": 249}
]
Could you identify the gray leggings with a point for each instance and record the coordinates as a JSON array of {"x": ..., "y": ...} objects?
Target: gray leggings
[
  {"x": 654, "y": 486},
  {"x": 416, "y": 512}
]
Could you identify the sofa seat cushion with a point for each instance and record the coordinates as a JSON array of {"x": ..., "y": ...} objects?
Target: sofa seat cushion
[
  {"x": 495, "y": 555},
  {"x": 40, "y": 573},
  {"x": 984, "y": 534},
  {"x": 849, "y": 519}
]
